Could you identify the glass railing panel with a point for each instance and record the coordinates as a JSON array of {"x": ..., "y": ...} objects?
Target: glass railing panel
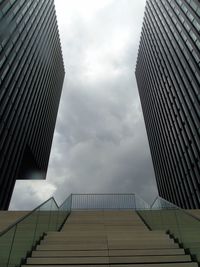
[
  {"x": 152, "y": 218},
  {"x": 140, "y": 204},
  {"x": 6, "y": 242},
  {"x": 169, "y": 218},
  {"x": 25, "y": 234},
  {"x": 53, "y": 217},
  {"x": 164, "y": 215},
  {"x": 23, "y": 240},
  {"x": 43, "y": 218},
  {"x": 61, "y": 217},
  {"x": 64, "y": 211},
  {"x": 66, "y": 205},
  {"x": 47, "y": 219},
  {"x": 103, "y": 201},
  {"x": 188, "y": 232}
]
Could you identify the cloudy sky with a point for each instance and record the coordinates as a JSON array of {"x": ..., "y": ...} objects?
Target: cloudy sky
[{"x": 100, "y": 143}]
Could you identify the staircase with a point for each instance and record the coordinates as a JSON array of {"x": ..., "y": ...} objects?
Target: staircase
[{"x": 107, "y": 238}]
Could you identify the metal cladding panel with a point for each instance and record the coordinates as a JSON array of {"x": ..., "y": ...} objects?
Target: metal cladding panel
[
  {"x": 31, "y": 79},
  {"x": 168, "y": 77}
]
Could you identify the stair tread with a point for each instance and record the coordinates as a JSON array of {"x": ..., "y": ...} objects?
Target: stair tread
[
  {"x": 68, "y": 253},
  {"x": 106, "y": 239},
  {"x": 191, "y": 264},
  {"x": 130, "y": 259}
]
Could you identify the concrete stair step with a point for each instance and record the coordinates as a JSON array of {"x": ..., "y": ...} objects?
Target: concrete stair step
[
  {"x": 186, "y": 264},
  {"x": 150, "y": 259},
  {"x": 126, "y": 228},
  {"x": 140, "y": 241},
  {"x": 72, "y": 247},
  {"x": 143, "y": 246},
  {"x": 191, "y": 264},
  {"x": 101, "y": 215},
  {"x": 104, "y": 238},
  {"x": 99, "y": 253},
  {"x": 106, "y": 218},
  {"x": 69, "y": 260},
  {"x": 94, "y": 233},
  {"x": 78, "y": 230},
  {"x": 74, "y": 238},
  {"x": 77, "y": 234},
  {"x": 106, "y": 222},
  {"x": 112, "y": 260},
  {"x": 74, "y": 242},
  {"x": 134, "y": 234},
  {"x": 105, "y": 246},
  {"x": 146, "y": 252},
  {"x": 105, "y": 232},
  {"x": 83, "y": 227},
  {"x": 68, "y": 253},
  {"x": 113, "y": 243}
]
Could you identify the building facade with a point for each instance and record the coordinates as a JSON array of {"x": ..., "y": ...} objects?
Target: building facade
[
  {"x": 31, "y": 79},
  {"x": 168, "y": 77}
]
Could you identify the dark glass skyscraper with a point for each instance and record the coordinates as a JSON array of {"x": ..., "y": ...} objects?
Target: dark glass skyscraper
[
  {"x": 168, "y": 77},
  {"x": 31, "y": 79}
]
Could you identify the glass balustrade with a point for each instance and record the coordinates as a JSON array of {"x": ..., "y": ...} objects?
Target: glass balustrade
[
  {"x": 107, "y": 201},
  {"x": 184, "y": 227},
  {"x": 18, "y": 240}
]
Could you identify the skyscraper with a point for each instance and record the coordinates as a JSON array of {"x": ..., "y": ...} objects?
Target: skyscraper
[
  {"x": 31, "y": 79},
  {"x": 168, "y": 77}
]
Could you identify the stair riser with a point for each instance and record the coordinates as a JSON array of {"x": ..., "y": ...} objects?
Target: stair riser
[{"x": 93, "y": 238}]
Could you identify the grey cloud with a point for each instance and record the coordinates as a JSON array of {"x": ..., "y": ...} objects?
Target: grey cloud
[{"x": 100, "y": 142}]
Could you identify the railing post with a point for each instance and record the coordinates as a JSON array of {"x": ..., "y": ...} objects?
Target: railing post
[
  {"x": 135, "y": 202},
  {"x": 71, "y": 202},
  {"x": 13, "y": 239},
  {"x": 49, "y": 216},
  {"x": 36, "y": 226}
]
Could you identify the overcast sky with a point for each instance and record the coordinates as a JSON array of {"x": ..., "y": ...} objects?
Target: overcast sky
[{"x": 100, "y": 143}]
